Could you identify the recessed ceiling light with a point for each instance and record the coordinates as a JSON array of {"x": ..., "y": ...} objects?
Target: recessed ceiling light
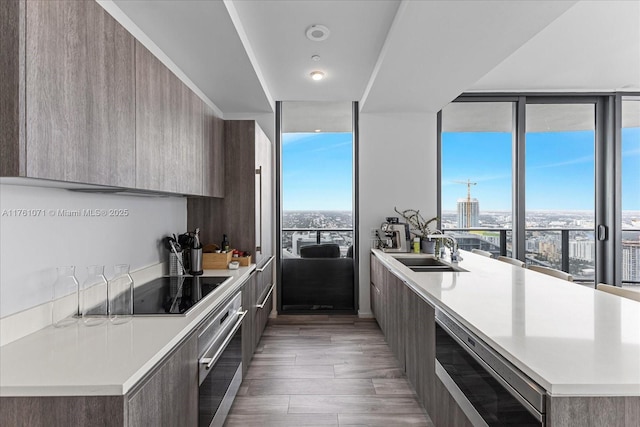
[
  {"x": 318, "y": 130},
  {"x": 317, "y": 33},
  {"x": 317, "y": 75},
  {"x": 315, "y": 58}
]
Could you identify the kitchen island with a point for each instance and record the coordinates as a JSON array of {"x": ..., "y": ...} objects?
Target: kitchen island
[{"x": 580, "y": 345}]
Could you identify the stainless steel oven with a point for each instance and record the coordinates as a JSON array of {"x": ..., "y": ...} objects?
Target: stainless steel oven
[
  {"x": 487, "y": 387},
  {"x": 220, "y": 363}
]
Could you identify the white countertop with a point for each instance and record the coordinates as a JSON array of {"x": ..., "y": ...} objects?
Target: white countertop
[
  {"x": 571, "y": 339},
  {"x": 105, "y": 359}
]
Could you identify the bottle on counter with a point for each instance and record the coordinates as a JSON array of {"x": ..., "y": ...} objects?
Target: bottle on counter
[
  {"x": 416, "y": 245},
  {"x": 225, "y": 246}
]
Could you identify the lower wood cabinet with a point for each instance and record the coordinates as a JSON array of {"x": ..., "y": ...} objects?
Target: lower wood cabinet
[
  {"x": 420, "y": 348},
  {"x": 258, "y": 301},
  {"x": 169, "y": 396},
  {"x": 264, "y": 300},
  {"x": 107, "y": 411},
  {"x": 408, "y": 324},
  {"x": 378, "y": 292},
  {"x": 248, "y": 330},
  {"x": 393, "y": 302}
]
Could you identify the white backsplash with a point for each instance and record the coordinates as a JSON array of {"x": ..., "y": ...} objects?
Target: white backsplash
[{"x": 40, "y": 232}]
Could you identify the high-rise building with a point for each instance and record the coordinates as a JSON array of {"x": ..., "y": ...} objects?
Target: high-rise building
[
  {"x": 583, "y": 250},
  {"x": 631, "y": 260},
  {"x": 468, "y": 213}
]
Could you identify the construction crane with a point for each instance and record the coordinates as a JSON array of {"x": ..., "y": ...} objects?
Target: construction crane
[{"x": 468, "y": 202}]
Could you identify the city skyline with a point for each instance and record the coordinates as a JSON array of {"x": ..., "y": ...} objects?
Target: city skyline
[
  {"x": 317, "y": 170},
  {"x": 559, "y": 169}
]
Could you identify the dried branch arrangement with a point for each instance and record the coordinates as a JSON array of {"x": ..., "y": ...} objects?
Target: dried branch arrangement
[{"x": 418, "y": 225}]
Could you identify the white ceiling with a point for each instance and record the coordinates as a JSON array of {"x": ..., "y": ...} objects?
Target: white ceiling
[
  {"x": 276, "y": 31},
  {"x": 201, "y": 39},
  {"x": 594, "y": 46},
  {"x": 304, "y": 116},
  {"x": 391, "y": 55},
  {"x": 438, "y": 49}
]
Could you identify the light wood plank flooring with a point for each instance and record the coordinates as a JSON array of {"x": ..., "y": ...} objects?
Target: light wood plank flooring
[{"x": 325, "y": 371}]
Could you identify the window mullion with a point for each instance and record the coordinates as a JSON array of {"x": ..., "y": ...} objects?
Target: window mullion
[{"x": 518, "y": 186}]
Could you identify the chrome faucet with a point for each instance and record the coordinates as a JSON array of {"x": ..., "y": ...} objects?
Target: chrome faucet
[{"x": 455, "y": 255}]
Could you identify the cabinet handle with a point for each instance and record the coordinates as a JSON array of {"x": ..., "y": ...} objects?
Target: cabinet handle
[
  {"x": 261, "y": 306},
  {"x": 259, "y": 246},
  {"x": 209, "y": 361},
  {"x": 264, "y": 267}
]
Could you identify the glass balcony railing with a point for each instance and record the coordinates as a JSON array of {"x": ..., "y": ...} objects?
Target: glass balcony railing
[
  {"x": 568, "y": 249},
  {"x": 295, "y": 238}
]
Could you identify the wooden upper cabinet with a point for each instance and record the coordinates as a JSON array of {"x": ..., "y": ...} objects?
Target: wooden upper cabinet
[
  {"x": 82, "y": 101},
  {"x": 249, "y": 188},
  {"x": 245, "y": 214},
  {"x": 264, "y": 195},
  {"x": 213, "y": 154},
  {"x": 169, "y": 125},
  {"x": 80, "y": 114}
]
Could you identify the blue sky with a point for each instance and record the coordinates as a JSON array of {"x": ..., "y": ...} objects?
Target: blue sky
[
  {"x": 559, "y": 169},
  {"x": 317, "y": 171}
]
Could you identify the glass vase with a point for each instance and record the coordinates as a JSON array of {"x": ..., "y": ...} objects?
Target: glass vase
[
  {"x": 120, "y": 295},
  {"x": 94, "y": 296},
  {"x": 65, "y": 297}
]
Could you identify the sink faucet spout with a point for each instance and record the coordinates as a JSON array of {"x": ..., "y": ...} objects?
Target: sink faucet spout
[{"x": 455, "y": 255}]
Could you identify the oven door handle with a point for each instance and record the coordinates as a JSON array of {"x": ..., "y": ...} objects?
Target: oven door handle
[{"x": 210, "y": 361}]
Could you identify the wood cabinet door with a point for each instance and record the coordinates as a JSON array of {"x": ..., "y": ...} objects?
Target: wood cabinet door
[
  {"x": 379, "y": 280},
  {"x": 373, "y": 296},
  {"x": 80, "y": 104},
  {"x": 169, "y": 397},
  {"x": 264, "y": 196},
  {"x": 239, "y": 210},
  {"x": 420, "y": 348},
  {"x": 186, "y": 142},
  {"x": 394, "y": 301},
  {"x": 169, "y": 124},
  {"x": 212, "y": 153},
  {"x": 264, "y": 301},
  {"x": 249, "y": 304}
]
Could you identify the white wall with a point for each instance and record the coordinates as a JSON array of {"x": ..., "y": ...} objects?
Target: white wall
[
  {"x": 397, "y": 168},
  {"x": 32, "y": 247}
]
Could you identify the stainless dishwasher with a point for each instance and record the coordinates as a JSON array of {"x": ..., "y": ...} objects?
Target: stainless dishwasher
[
  {"x": 487, "y": 387},
  {"x": 220, "y": 363}
]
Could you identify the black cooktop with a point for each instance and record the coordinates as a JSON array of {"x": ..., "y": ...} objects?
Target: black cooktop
[{"x": 173, "y": 295}]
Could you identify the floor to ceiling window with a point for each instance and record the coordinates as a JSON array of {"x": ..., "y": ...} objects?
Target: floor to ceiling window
[
  {"x": 476, "y": 156},
  {"x": 630, "y": 182},
  {"x": 560, "y": 188},
  {"x": 531, "y": 168},
  {"x": 317, "y": 207}
]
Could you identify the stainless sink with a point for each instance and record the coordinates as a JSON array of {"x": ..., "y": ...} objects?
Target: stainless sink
[
  {"x": 428, "y": 265},
  {"x": 422, "y": 262}
]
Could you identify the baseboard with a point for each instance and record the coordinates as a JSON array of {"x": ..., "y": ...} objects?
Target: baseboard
[{"x": 366, "y": 314}]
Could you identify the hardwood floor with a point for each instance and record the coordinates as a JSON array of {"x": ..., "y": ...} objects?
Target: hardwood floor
[{"x": 325, "y": 371}]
